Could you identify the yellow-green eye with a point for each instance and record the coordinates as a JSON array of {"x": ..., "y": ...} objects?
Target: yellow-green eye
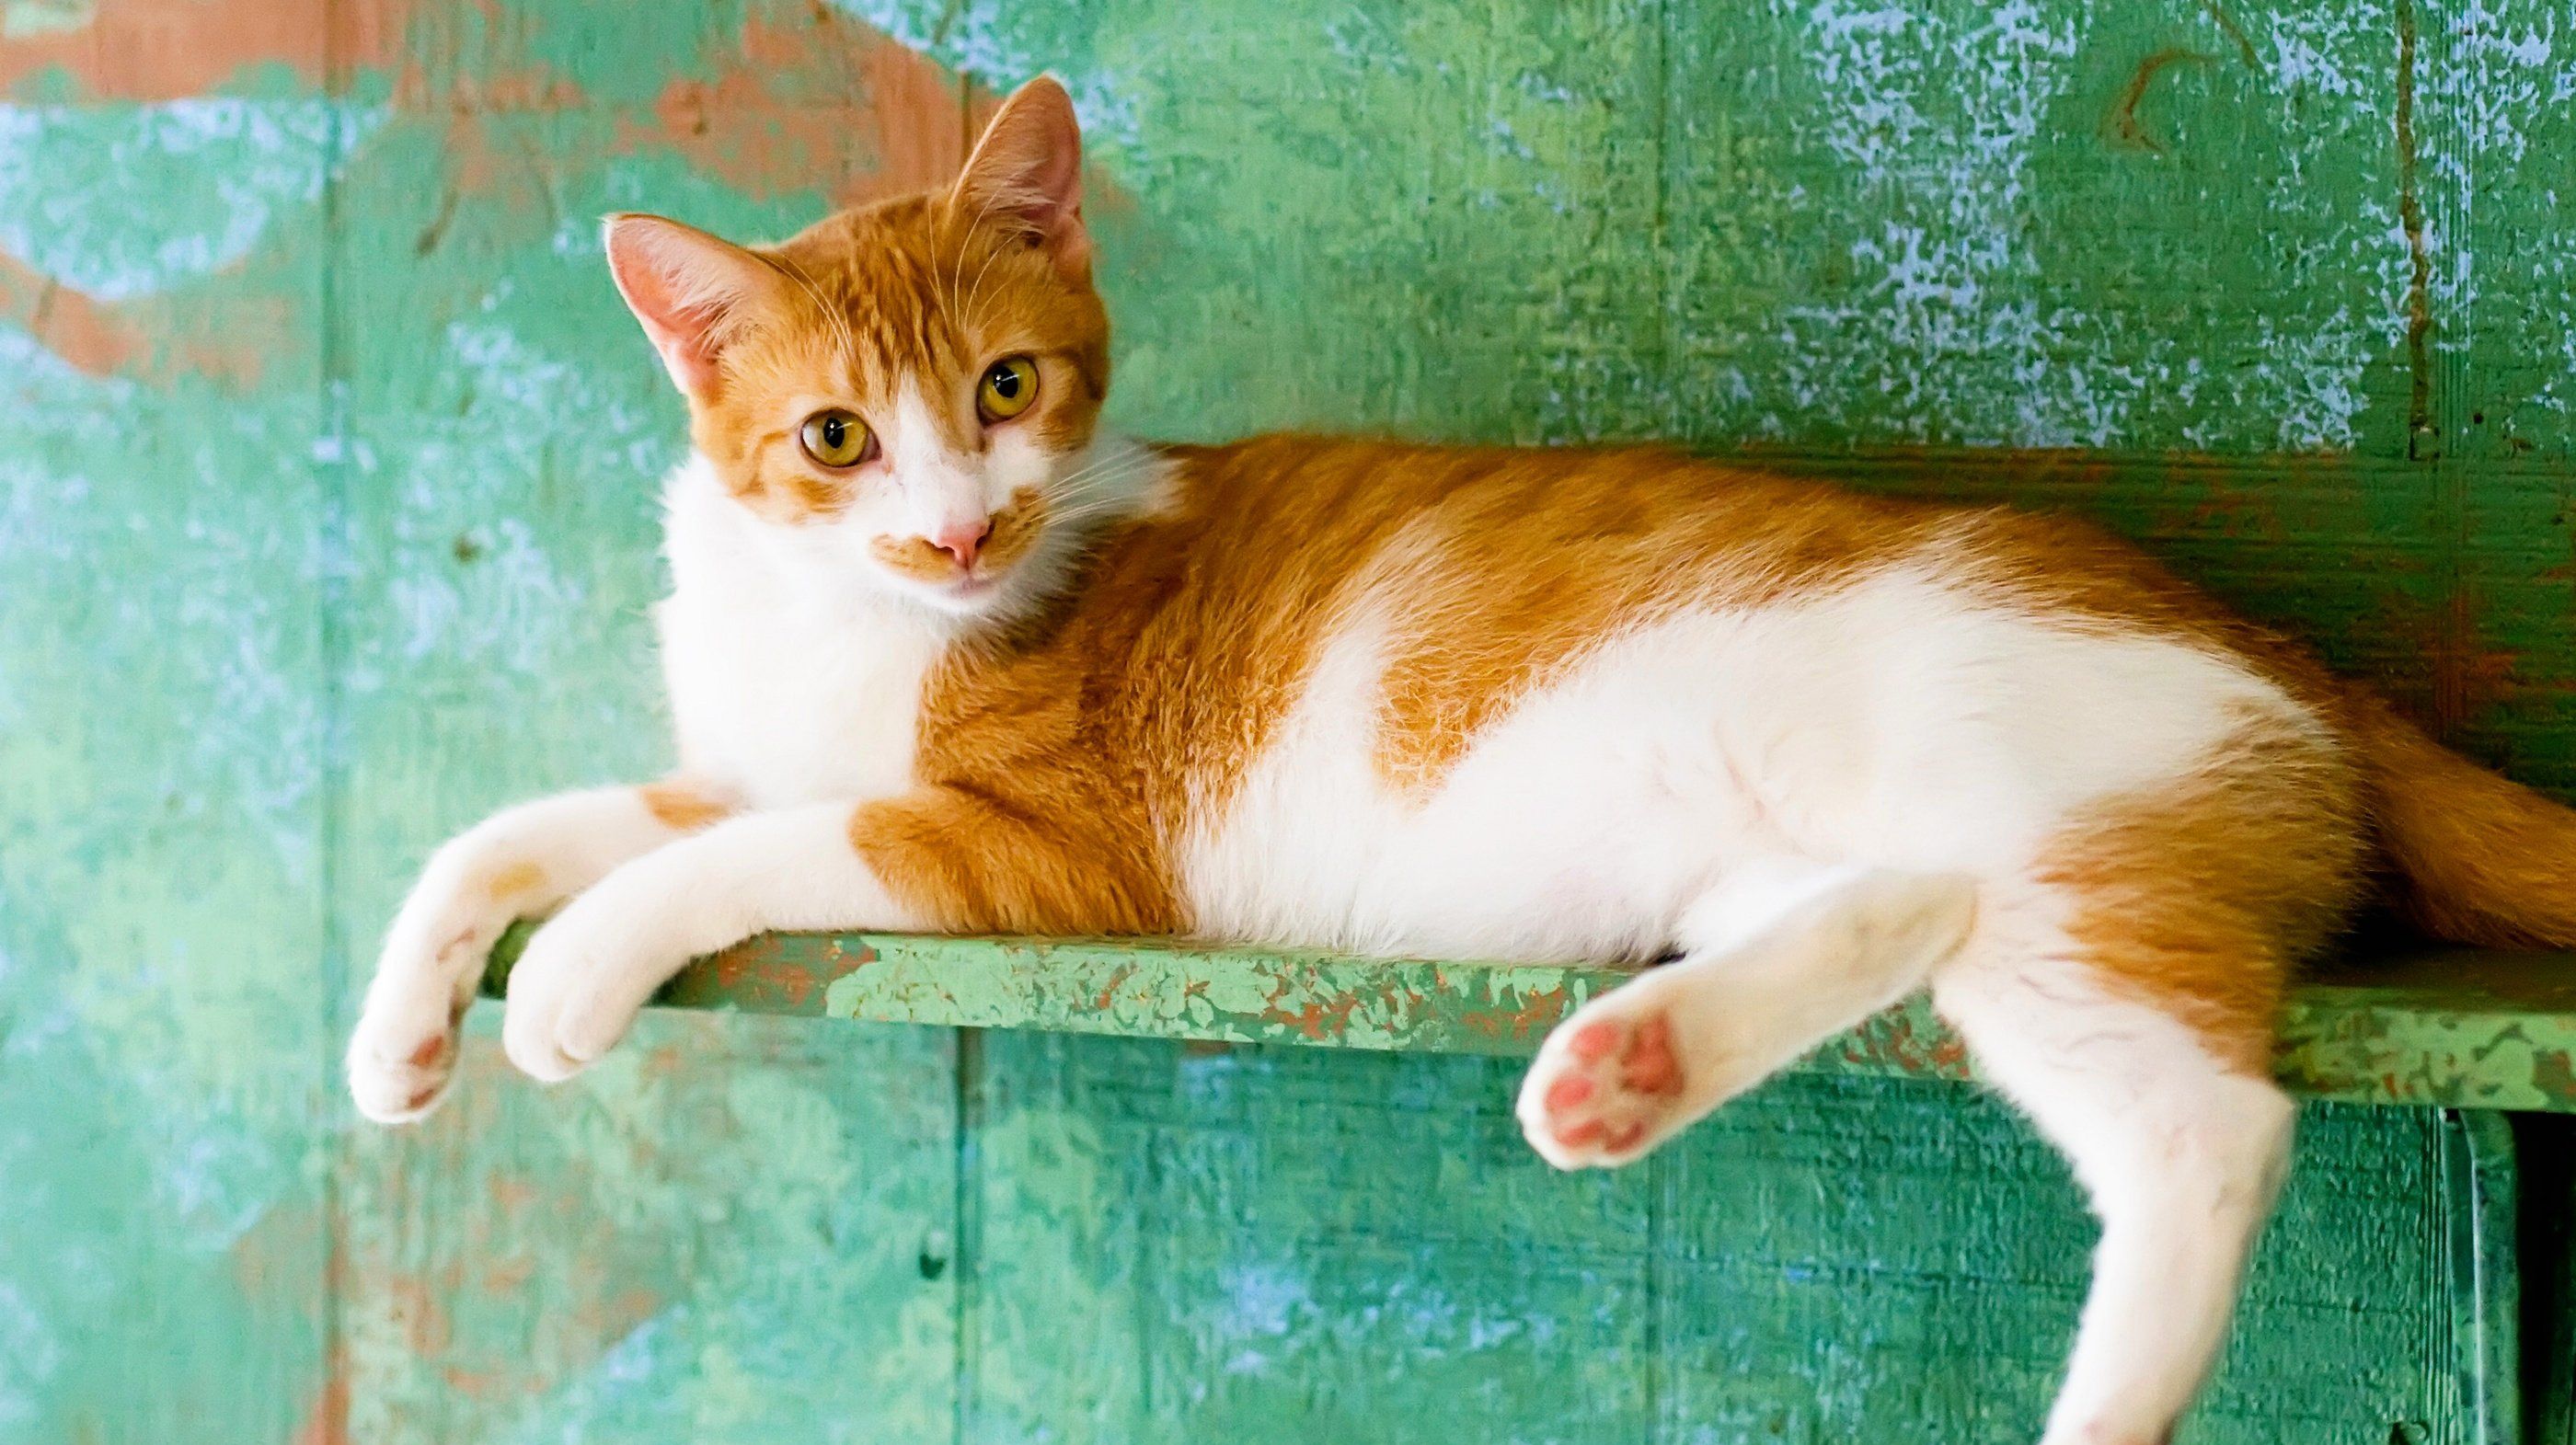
[
  {"x": 1009, "y": 385},
  {"x": 835, "y": 438}
]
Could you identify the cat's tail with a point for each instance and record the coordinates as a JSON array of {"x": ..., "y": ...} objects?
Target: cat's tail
[{"x": 2480, "y": 858}]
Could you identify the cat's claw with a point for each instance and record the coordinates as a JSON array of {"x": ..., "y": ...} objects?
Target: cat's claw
[{"x": 1608, "y": 1085}]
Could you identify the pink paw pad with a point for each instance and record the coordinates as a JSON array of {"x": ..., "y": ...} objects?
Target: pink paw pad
[{"x": 1621, "y": 1082}]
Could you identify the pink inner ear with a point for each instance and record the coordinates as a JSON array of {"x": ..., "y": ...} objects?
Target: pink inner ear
[
  {"x": 684, "y": 287},
  {"x": 675, "y": 331}
]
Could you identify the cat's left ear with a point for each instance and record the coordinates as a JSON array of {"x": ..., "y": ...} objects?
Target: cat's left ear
[{"x": 1026, "y": 173}]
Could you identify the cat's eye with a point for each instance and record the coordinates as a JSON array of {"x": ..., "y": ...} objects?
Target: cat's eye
[
  {"x": 836, "y": 439},
  {"x": 1009, "y": 385}
]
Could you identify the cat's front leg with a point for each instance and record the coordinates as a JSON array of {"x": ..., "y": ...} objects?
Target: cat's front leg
[
  {"x": 589, "y": 971},
  {"x": 520, "y": 862}
]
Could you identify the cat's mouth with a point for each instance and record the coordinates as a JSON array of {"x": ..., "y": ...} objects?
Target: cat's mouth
[
  {"x": 961, "y": 590},
  {"x": 1012, "y": 535}
]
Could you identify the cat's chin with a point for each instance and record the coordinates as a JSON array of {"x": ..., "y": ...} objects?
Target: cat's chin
[
  {"x": 966, "y": 600},
  {"x": 967, "y": 596}
]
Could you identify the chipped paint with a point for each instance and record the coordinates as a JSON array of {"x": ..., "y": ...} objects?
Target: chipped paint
[{"x": 2447, "y": 1029}]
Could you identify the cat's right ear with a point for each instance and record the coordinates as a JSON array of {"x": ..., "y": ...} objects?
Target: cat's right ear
[{"x": 692, "y": 292}]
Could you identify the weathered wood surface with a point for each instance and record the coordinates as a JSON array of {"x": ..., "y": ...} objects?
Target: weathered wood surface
[
  {"x": 326, "y": 525},
  {"x": 2454, "y": 1028}
]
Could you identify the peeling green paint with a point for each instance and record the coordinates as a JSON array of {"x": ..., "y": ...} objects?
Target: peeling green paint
[{"x": 2452, "y": 1028}]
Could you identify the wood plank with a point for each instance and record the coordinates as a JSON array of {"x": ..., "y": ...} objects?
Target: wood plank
[
  {"x": 2457, "y": 1028},
  {"x": 164, "y": 751},
  {"x": 1181, "y": 1244}
]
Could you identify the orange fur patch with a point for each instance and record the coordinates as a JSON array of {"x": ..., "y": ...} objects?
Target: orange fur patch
[
  {"x": 516, "y": 879},
  {"x": 915, "y": 557},
  {"x": 682, "y": 807},
  {"x": 1016, "y": 529},
  {"x": 2479, "y": 858},
  {"x": 2204, "y": 899}
]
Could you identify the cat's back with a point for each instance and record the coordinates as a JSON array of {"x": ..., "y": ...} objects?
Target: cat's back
[
  {"x": 1535, "y": 553},
  {"x": 1262, "y": 548},
  {"x": 1307, "y": 508}
]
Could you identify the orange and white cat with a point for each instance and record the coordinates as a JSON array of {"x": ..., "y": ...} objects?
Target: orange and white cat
[{"x": 944, "y": 654}]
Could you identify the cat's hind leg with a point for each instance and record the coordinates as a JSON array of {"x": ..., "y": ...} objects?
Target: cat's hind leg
[
  {"x": 2125, "y": 995},
  {"x": 2181, "y": 1140},
  {"x": 1773, "y": 962}
]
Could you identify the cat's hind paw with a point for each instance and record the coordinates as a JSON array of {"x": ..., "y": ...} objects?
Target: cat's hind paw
[{"x": 1608, "y": 1084}]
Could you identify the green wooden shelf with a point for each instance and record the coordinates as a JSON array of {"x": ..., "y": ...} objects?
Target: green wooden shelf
[{"x": 2447, "y": 1028}]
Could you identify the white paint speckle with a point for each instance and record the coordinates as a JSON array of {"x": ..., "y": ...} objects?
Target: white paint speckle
[{"x": 119, "y": 202}]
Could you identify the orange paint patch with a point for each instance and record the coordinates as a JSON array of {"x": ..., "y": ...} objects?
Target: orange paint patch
[
  {"x": 326, "y": 1420},
  {"x": 162, "y": 50},
  {"x": 227, "y": 337},
  {"x": 682, "y": 807},
  {"x": 415, "y": 1304},
  {"x": 1541, "y": 1010},
  {"x": 158, "y": 50},
  {"x": 93, "y": 337},
  {"x": 822, "y": 100}
]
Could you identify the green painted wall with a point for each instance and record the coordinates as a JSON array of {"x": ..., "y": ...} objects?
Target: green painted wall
[{"x": 326, "y": 523}]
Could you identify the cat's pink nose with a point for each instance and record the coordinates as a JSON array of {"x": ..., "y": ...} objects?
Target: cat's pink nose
[{"x": 962, "y": 540}]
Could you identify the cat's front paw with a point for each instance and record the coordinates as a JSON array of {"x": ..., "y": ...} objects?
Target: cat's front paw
[
  {"x": 402, "y": 1056},
  {"x": 577, "y": 988},
  {"x": 403, "y": 1052}
]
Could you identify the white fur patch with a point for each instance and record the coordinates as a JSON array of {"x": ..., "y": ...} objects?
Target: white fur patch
[
  {"x": 1902, "y": 721},
  {"x": 789, "y": 691}
]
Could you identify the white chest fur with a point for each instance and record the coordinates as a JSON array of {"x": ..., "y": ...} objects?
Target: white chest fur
[{"x": 785, "y": 693}]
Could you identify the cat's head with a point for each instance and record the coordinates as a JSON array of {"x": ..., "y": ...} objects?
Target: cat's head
[{"x": 905, "y": 394}]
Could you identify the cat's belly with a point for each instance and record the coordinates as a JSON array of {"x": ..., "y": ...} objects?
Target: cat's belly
[
  {"x": 1575, "y": 828},
  {"x": 1900, "y": 723}
]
